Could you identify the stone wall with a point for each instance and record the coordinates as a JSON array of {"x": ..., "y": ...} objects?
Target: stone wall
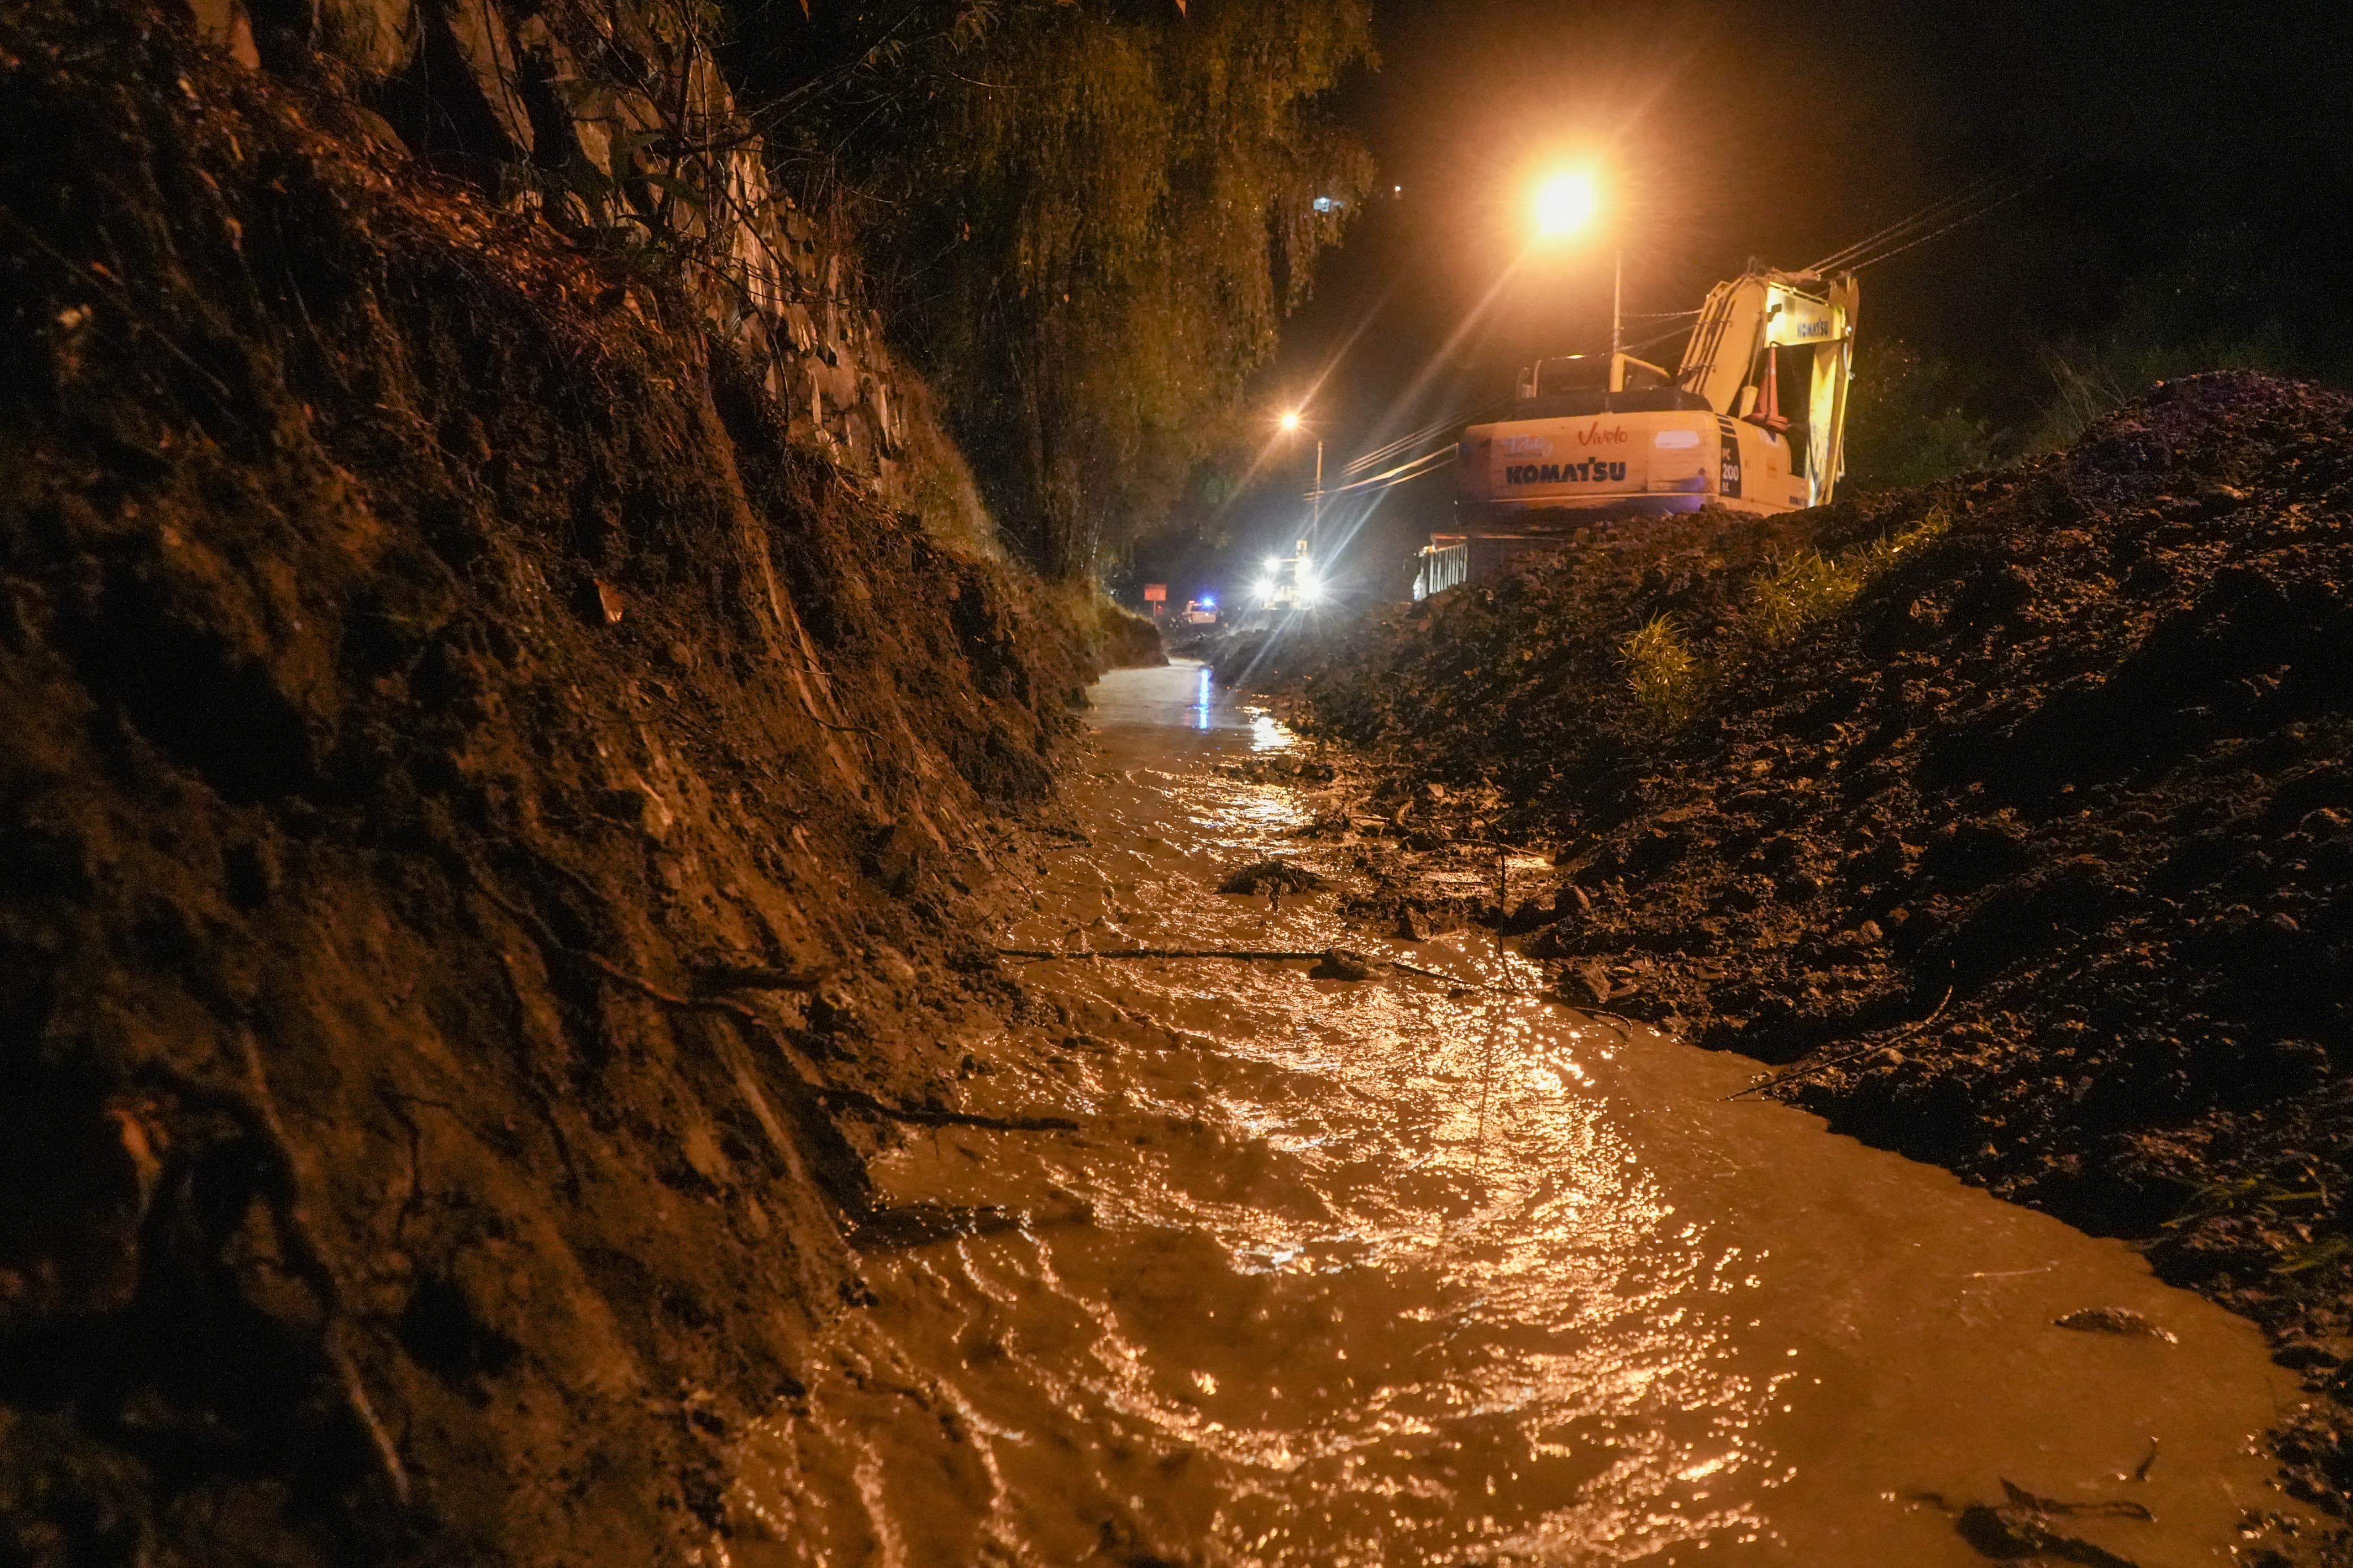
[{"x": 615, "y": 123}]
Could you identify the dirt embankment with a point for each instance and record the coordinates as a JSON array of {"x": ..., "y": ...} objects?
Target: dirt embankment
[
  {"x": 2017, "y": 813},
  {"x": 484, "y": 825}
]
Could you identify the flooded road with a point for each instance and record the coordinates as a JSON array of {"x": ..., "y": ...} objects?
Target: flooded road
[{"x": 1395, "y": 1272}]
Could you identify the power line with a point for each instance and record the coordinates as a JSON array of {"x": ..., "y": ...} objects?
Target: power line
[
  {"x": 1923, "y": 216},
  {"x": 2005, "y": 198},
  {"x": 1364, "y": 460},
  {"x": 1413, "y": 469},
  {"x": 1972, "y": 202}
]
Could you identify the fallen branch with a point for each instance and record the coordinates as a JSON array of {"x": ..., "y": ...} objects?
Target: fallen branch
[
  {"x": 1249, "y": 954},
  {"x": 754, "y": 977},
  {"x": 1264, "y": 955},
  {"x": 1459, "y": 984},
  {"x": 1805, "y": 1070},
  {"x": 855, "y": 1099},
  {"x": 860, "y": 1100},
  {"x": 1432, "y": 975}
]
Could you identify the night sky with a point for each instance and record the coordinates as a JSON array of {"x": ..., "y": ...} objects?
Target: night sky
[{"x": 2191, "y": 173}]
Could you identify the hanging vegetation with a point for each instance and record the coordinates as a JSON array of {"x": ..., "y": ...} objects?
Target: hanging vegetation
[{"x": 1088, "y": 219}]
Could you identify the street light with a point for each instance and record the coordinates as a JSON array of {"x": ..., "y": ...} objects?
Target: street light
[
  {"x": 1290, "y": 423},
  {"x": 1565, "y": 205}
]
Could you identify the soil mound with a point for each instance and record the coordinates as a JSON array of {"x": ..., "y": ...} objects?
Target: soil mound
[
  {"x": 483, "y": 823},
  {"x": 2019, "y": 812}
]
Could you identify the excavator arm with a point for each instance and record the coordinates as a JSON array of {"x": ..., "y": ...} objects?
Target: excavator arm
[{"x": 1731, "y": 357}]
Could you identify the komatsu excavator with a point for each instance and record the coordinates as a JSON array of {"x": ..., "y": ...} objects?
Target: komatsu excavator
[{"x": 1588, "y": 437}]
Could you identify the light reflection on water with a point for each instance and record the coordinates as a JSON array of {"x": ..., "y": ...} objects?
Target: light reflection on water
[{"x": 1372, "y": 1274}]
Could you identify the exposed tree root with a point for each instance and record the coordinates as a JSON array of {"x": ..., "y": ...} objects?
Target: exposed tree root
[
  {"x": 257, "y": 1108},
  {"x": 856, "y": 1099}
]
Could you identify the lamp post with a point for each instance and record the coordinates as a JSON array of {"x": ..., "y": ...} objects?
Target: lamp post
[
  {"x": 1315, "y": 505},
  {"x": 1291, "y": 422},
  {"x": 1616, "y": 305}
]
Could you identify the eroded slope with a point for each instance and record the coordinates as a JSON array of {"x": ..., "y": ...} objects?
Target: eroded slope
[{"x": 446, "y": 736}]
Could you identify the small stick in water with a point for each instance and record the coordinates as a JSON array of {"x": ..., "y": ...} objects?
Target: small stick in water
[{"x": 1502, "y": 896}]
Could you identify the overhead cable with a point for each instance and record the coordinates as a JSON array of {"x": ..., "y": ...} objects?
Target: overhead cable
[
  {"x": 1429, "y": 431},
  {"x": 1428, "y": 462},
  {"x": 1972, "y": 217},
  {"x": 1929, "y": 214},
  {"x": 1964, "y": 206},
  {"x": 1362, "y": 460},
  {"x": 1381, "y": 454}
]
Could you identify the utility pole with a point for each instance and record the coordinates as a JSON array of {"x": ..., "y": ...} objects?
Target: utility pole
[
  {"x": 1617, "y": 316},
  {"x": 1315, "y": 505}
]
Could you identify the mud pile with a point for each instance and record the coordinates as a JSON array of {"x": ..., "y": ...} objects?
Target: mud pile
[
  {"x": 2035, "y": 854},
  {"x": 484, "y": 827}
]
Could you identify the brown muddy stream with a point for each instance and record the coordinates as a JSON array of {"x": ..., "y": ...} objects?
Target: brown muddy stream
[{"x": 1393, "y": 1272}]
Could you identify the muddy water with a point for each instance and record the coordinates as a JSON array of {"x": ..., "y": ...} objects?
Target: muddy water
[{"x": 1400, "y": 1273}]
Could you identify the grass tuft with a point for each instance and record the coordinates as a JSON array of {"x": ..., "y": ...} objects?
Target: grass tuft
[
  {"x": 1796, "y": 591},
  {"x": 1671, "y": 680},
  {"x": 1668, "y": 679}
]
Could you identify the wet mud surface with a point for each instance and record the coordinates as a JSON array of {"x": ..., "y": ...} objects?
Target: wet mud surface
[
  {"x": 2030, "y": 858},
  {"x": 1417, "y": 1270}
]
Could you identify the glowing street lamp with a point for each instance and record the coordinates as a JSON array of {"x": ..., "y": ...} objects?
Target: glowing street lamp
[
  {"x": 1567, "y": 205},
  {"x": 1290, "y": 423}
]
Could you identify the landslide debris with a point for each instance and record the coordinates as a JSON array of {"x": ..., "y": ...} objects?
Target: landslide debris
[
  {"x": 484, "y": 829},
  {"x": 2016, "y": 814}
]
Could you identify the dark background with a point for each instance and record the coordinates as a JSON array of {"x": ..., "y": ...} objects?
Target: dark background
[{"x": 2187, "y": 175}]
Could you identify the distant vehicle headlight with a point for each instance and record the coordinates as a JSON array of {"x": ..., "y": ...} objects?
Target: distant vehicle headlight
[
  {"x": 1266, "y": 588},
  {"x": 1309, "y": 590}
]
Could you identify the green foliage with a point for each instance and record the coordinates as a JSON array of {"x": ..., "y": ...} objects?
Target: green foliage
[
  {"x": 2092, "y": 380},
  {"x": 1667, "y": 679},
  {"x": 2217, "y": 305},
  {"x": 1795, "y": 590},
  {"x": 1907, "y": 425},
  {"x": 1791, "y": 592},
  {"x": 1088, "y": 219}
]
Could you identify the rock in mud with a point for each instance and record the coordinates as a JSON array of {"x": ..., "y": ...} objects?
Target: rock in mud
[
  {"x": 1342, "y": 964},
  {"x": 2113, "y": 1320},
  {"x": 2017, "y": 1534}
]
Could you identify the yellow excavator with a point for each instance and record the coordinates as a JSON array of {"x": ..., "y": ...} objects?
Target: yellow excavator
[{"x": 1753, "y": 419}]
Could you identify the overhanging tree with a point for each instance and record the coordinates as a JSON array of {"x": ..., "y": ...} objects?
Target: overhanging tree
[{"x": 1087, "y": 219}]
